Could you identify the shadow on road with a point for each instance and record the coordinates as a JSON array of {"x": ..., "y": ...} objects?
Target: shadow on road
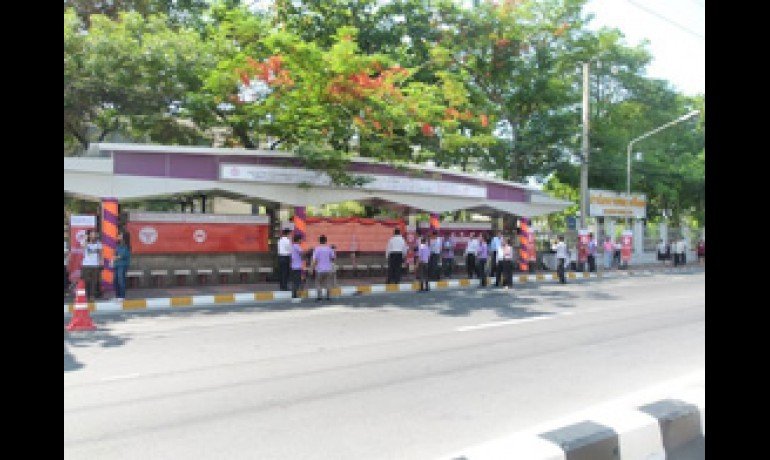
[
  {"x": 100, "y": 337},
  {"x": 509, "y": 304}
]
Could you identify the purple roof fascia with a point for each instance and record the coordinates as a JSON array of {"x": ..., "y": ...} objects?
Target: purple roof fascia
[{"x": 206, "y": 167}]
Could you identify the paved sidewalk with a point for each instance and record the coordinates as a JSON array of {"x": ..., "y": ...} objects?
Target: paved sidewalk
[{"x": 215, "y": 295}]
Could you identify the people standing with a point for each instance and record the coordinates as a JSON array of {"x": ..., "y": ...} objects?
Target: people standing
[
  {"x": 683, "y": 251},
  {"x": 591, "y": 252},
  {"x": 121, "y": 263},
  {"x": 701, "y": 251},
  {"x": 470, "y": 255},
  {"x": 296, "y": 268},
  {"x": 506, "y": 263},
  {"x": 284, "y": 260},
  {"x": 481, "y": 260},
  {"x": 423, "y": 264},
  {"x": 494, "y": 249},
  {"x": 561, "y": 258},
  {"x": 323, "y": 257},
  {"x": 448, "y": 256},
  {"x": 435, "y": 256},
  {"x": 92, "y": 260},
  {"x": 395, "y": 251},
  {"x": 661, "y": 251},
  {"x": 608, "y": 250}
]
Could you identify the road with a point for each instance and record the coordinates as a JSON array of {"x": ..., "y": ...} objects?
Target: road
[{"x": 397, "y": 376}]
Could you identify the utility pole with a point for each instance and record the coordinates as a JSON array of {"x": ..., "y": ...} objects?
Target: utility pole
[{"x": 585, "y": 149}]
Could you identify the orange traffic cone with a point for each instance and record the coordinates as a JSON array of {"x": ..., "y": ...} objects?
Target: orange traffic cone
[{"x": 81, "y": 319}]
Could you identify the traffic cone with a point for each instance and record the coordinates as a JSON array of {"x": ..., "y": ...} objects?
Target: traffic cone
[{"x": 81, "y": 318}]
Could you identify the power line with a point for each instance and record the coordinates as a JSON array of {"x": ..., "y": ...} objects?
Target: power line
[{"x": 659, "y": 16}]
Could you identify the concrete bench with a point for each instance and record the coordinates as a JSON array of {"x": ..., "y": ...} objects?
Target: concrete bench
[
  {"x": 135, "y": 278},
  {"x": 267, "y": 271},
  {"x": 158, "y": 277},
  {"x": 181, "y": 276},
  {"x": 225, "y": 275},
  {"x": 244, "y": 274},
  {"x": 204, "y": 274},
  {"x": 346, "y": 268}
]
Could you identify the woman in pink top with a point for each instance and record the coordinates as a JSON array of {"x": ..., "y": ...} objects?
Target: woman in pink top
[{"x": 608, "y": 249}]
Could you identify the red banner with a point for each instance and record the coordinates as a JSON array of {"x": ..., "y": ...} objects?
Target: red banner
[
  {"x": 349, "y": 234},
  {"x": 171, "y": 237},
  {"x": 626, "y": 242}
]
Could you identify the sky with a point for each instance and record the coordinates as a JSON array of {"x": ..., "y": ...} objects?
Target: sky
[{"x": 676, "y": 31}]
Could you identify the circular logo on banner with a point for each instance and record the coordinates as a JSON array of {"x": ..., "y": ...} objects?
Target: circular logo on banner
[
  {"x": 148, "y": 235},
  {"x": 199, "y": 235},
  {"x": 80, "y": 237}
]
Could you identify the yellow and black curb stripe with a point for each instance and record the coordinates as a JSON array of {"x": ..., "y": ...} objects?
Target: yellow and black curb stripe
[{"x": 167, "y": 303}]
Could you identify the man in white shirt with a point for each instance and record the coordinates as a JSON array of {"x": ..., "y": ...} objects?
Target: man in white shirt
[
  {"x": 470, "y": 255},
  {"x": 561, "y": 258},
  {"x": 494, "y": 250},
  {"x": 92, "y": 262},
  {"x": 661, "y": 251},
  {"x": 395, "y": 252},
  {"x": 435, "y": 256},
  {"x": 284, "y": 260}
]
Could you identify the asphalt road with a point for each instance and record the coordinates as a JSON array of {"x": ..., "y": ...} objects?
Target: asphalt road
[{"x": 397, "y": 376}]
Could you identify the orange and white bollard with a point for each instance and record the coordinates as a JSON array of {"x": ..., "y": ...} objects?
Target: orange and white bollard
[{"x": 81, "y": 318}]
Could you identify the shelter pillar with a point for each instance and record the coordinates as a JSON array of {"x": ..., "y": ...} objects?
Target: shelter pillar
[
  {"x": 435, "y": 221},
  {"x": 300, "y": 223},
  {"x": 638, "y": 236},
  {"x": 109, "y": 241},
  {"x": 663, "y": 231}
]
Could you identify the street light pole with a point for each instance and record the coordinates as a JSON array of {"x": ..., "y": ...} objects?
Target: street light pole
[
  {"x": 643, "y": 136},
  {"x": 585, "y": 149}
]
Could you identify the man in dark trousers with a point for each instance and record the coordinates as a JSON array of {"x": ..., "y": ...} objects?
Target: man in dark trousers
[
  {"x": 395, "y": 252},
  {"x": 284, "y": 260},
  {"x": 591, "y": 253},
  {"x": 435, "y": 256}
]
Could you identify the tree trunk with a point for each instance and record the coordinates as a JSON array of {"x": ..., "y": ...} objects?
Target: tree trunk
[
  {"x": 243, "y": 135},
  {"x": 82, "y": 139},
  {"x": 514, "y": 163}
]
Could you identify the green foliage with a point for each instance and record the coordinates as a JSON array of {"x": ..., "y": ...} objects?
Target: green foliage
[
  {"x": 492, "y": 87},
  {"x": 557, "y": 189}
]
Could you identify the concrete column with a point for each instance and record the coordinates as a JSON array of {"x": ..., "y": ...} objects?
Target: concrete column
[
  {"x": 638, "y": 236},
  {"x": 109, "y": 241},
  {"x": 300, "y": 223},
  {"x": 609, "y": 227},
  {"x": 663, "y": 230},
  {"x": 435, "y": 221}
]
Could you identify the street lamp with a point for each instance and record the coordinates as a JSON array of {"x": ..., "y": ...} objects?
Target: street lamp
[{"x": 643, "y": 136}]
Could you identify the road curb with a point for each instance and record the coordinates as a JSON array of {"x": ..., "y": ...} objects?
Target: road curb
[
  {"x": 650, "y": 431},
  {"x": 182, "y": 302}
]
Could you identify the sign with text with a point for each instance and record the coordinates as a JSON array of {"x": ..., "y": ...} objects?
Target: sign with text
[
  {"x": 252, "y": 173},
  {"x": 605, "y": 203},
  {"x": 184, "y": 237}
]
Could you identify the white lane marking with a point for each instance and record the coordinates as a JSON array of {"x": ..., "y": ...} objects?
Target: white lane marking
[
  {"x": 121, "y": 377},
  {"x": 509, "y": 322}
]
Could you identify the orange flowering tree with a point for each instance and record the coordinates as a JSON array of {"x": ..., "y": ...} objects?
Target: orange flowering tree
[{"x": 329, "y": 104}]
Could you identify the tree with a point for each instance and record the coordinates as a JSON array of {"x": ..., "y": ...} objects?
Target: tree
[{"x": 127, "y": 75}]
